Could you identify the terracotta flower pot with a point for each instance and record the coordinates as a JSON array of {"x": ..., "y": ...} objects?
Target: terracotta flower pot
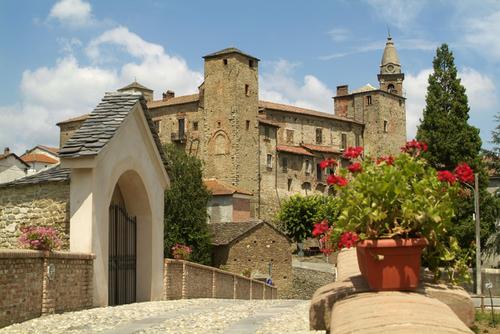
[{"x": 390, "y": 264}]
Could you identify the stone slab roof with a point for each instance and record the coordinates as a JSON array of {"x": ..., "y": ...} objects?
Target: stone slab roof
[
  {"x": 54, "y": 174},
  {"x": 74, "y": 119},
  {"x": 229, "y": 51},
  {"x": 226, "y": 233},
  {"x": 102, "y": 124},
  {"x": 303, "y": 111},
  {"x": 219, "y": 188},
  {"x": 136, "y": 85},
  {"x": 294, "y": 150}
]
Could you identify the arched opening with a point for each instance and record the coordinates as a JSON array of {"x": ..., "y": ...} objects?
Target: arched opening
[
  {"x": 129, "y": 248},
  {"x": 391, "y": 88}
]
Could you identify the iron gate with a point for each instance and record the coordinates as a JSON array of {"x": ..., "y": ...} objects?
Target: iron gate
[{"x": 122, "y": 256}]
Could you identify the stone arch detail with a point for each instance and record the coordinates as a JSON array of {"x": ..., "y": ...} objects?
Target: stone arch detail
[{"x": 220, "y": 143}]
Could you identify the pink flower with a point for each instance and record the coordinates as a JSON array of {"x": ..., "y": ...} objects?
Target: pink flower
[
  {"x": 320, "y": 228},
  {"x": 355, "y": 168},
  {"x": 353, "y": 152},
  {"x": 348, "y": 240},
  {"x": 464, "y": 173},
  {"x": 446, "y": 176}
]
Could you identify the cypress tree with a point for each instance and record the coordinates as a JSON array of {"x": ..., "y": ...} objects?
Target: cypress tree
[{"x": 186, "y": 202}]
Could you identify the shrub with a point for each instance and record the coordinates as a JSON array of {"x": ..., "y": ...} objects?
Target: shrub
[{"x": 39, "y": 238}]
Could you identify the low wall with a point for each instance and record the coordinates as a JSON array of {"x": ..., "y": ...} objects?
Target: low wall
[
  {"x": 27, "y": 290},
  {"x": 184, "y": 280}
]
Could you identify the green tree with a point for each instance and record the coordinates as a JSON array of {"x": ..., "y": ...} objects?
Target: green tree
[
  {"x": 186, "y": 206},
  {"x": 452, "y": 140}
]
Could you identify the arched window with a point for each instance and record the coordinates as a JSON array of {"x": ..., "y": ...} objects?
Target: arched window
[{"x": 391, "y": 88}]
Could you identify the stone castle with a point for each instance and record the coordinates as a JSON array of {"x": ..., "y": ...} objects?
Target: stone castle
[{"x": 267, "y": 149}]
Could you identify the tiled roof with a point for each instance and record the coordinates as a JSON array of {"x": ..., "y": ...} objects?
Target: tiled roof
[
  {"x": 294, "y": 150},
  {"x": 34, "y": 157},
  {"x": 303, "y": 111},
  {"x": 219, "y": 188},
  {"x": 50, "y": 149},
  {"x": 266, "y": 121},
  {"x": 229, "y": 51},
  {"x": 173, "y": 101},
  {"x": 5, "y": 156},
  {"x": 54, "y": 174},
  {"x": 226, "y": 233},
  {"x": 318, "y": 148},
  {"x": 75, "y": 119},
  {"x": 103, "y": 123},
  {"x": 134, "y": 84}
]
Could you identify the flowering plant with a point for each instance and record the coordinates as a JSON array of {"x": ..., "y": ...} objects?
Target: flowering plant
[
  {"x": 395, "y": 197},
  {"x": 39, "y": 238},
  {"x": 181, "y": 252}
]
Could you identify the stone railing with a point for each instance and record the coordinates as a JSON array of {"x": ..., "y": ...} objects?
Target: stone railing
[
  {"x": 184, "y": 280},
  {"x": 35, "y": 283}
]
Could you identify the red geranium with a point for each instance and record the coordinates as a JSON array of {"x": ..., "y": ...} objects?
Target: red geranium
[
  {"x": 337, "y": 179},
  {"x": 464, "y": 173},
  {"x": 355, "y": 168},
  {"x": 389, "y": 160},
  {"x": 320, "y": 228},
  {"x": 446, "y": 176},
  {"x": 327, "y": 163},
  {"x": 414, "y": 147},
  {"x": 348, "y": 240},
  {"x": 353, "y": 152}
]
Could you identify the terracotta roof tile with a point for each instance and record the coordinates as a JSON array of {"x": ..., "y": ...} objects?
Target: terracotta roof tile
[
  {"x": 50, "y": 149},
  {"x": 5, "y": 156},
  {"x": 35, "y": 157},
  {"x": 303, "y": 111},
  {"x": 173, "y": 101},
  {"x": 219, "y": 188},
  {"x": 324, "y": 149},
  {"x": 294, "y": 150}
]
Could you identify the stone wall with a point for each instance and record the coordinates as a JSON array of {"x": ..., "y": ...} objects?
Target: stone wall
[
  {"x": 185, "y": 280},
  {"x": 40, "y": 205},
  {"x": 254, "y": 252},
  {"x": 27, "y": 291}
]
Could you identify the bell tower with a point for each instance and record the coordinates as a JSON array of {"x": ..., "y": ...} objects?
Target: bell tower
[{"x": 390, "y": 76}]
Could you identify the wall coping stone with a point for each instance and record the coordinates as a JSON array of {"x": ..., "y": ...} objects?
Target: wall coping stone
[
  {"x": 201, "y": 266},
  {"x": 29, "y": 253},
  {"x": 350, "y": 283}
]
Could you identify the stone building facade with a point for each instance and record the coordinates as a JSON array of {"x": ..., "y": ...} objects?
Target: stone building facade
[{"x": 269, "y": 149}]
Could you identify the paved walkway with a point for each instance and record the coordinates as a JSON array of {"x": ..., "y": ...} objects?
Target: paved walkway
[{"x": 180, "y": 316}]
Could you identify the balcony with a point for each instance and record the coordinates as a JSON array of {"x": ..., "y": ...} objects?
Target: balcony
[{"x": 178, "y": 137}]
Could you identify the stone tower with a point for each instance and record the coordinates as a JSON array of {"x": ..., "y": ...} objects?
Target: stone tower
[
  {"x": 390, "y": 77},
  {"x": 230, "y": 102}
]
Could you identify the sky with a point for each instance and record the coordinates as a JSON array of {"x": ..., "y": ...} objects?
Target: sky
[{"x": 58, "y": 58}]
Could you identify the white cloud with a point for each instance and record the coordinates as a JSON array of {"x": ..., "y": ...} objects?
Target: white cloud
[
  {"x": 482, "y": 34},
  {"x": 480, "y": 90},
  {"x": 339, "y": 34},
  {"x": 278, "y": 85},
  {"x": 73, "y": 13},
  {"x": 154, "y": 68},
  {"x": 396, "y": 12}
]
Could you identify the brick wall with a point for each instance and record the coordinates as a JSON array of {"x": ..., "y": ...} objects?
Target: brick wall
[
  {"x": 26, "y": 291},
  {"x": 184, "y": 280},
  {"x": 40, "y": 205}
]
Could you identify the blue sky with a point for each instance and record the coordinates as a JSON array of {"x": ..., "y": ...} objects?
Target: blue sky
[{"x": 59, "y": 57}]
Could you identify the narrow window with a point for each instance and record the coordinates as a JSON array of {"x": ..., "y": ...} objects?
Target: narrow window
[
  {"x": 247, "y": 90},
  {"x": 289, "y": 187},
  {"x": 358, "y": 140},
  {"x": 247, "y": 125},
  {"x": 344, "y": 141},
  {"x": 319, "y": 136},
  {"x": 225, "y": 61},
  {"x": 289, "y": 136},
  {"x": 400, "y": 103},
  {"x": 269, "y": 162},
  {"x": 218, "y": 124},
  {"x": 195, "y": 126},
  {"x": 157, "y": 126},
  {"x": 266, "y": 132},
  {"x": 369, "y": 100},
  {"x": 250, "y": 63},
  {"x": 385, "y": 126},
  {"x": 319, "y": 172},
  {"x": 284, "y": 164},
  {"x": 181, "y": 127},
  {"x": 308, "y": 167}
]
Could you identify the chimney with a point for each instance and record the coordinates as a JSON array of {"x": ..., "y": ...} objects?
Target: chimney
[
  {"x": 6, "y": 151},
  {"x": 342, "y": 90},
  {"x": 169, "y": 94}
]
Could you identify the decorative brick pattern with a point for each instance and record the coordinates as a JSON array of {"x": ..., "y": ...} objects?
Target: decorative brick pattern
[
  {"x": 199, "y": 281},
  {"x": 27, "y": 291}
]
